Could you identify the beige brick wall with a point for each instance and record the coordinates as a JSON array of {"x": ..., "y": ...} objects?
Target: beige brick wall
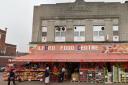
[{"x": 82, "y": 13}]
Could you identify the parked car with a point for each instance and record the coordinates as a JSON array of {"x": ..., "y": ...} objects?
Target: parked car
[{"x": 2, "y": 69}]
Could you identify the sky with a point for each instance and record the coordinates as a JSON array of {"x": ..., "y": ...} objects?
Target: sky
[{"x": 17, "y": 16}]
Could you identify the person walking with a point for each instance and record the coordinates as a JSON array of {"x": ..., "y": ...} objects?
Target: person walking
[
  {"x": 55, "y": 72},
  {"x": 11, "y": 77},
  {"x": 47, "y": 76},
  {"x": 62, "y": 74}
]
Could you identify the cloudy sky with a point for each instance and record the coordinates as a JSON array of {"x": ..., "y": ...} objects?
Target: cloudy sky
[{"x": 17, "y": 16}]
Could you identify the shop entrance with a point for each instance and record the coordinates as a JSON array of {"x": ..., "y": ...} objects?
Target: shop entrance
[{"x": 72, "y": 69}]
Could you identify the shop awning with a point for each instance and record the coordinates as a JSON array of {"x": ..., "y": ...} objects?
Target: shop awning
[{"x": 73, "y": 57}]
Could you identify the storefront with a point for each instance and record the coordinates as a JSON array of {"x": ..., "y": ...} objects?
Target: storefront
[{"x": 92, "y": 63}]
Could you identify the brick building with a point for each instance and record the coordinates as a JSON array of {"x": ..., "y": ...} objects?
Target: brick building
[
  {"x": 7, "y": 51},
  {"x": 2, "y": 41}
]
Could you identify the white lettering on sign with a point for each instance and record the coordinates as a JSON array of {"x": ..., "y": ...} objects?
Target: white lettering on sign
[
  {"x": 67, "y": 48},
  {"x": 64, "y": 47},
  {"x": 94, "y": 47},
  {"x": 46, "y": 47},
  {"x": 83, "y": 48},
  {"x": 40, "y": 47},
  {"x": 51, "y": 47},
  {"x": 89, "y": 47}
]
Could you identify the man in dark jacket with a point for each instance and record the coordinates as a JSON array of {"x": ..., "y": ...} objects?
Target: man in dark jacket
[
  {"x": 47, "y": 76},
  {"x": 11, "y": 77}
]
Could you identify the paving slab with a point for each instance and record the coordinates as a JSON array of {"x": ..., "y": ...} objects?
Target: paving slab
[{"x": 56, "y": 83}]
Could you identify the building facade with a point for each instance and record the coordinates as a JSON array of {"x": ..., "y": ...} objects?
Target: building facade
[
  {"x": 2, "y": 41},
  {"x": 80, "y": 22},
  {"x": 93, "y": 34},
  {"x": 6, "y": 49}
]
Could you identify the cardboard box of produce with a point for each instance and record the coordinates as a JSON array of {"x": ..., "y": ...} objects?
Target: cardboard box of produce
[{"x": 75, "y": 77}]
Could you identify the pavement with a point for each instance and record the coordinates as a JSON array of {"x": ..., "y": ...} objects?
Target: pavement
[
  {"x": 56, "y": 83},
  {"x": 53, "y": 83}
]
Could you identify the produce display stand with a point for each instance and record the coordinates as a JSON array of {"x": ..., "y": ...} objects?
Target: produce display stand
[
  {"x": 54, "y": 77},
  {"x": 32, "y": 72},
  {"x": 100, "y": 76},
  {"x": 83, "y": 75},
  {"x": 26, "y": 73},
  {"x": 87, "y": 75},
  {"x": 124, "y": 76},
  {"x": 75, "y": 77},
  {"x": 122, "y": 72},
  {"x": 91, "y": 75}
]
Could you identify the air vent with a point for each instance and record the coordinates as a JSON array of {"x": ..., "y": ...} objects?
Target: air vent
[
  {"x": 115, "y": 38},
  {"x": 102, "y": 28},
  {"x": 44, "y": 39},
  {"x": 63, "y": 28},
  {"x": 57, "y": 28}
]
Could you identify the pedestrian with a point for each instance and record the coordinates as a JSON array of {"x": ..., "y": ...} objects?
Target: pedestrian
[
  {"x": 11, "y": 77},
  {"x": 47, "y": 76},
  {"x": 62, "y": 74},
  {"x": 55, "y": 71}
]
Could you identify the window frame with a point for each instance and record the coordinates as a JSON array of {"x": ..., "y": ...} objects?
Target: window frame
[
  {"x": 115, "y": 28},
  {"x": 62, "y": 33},
  {"x": 78, "y": 36},
  {"x": 98, "y": 36},
  {"x": 44, "y": 37}
]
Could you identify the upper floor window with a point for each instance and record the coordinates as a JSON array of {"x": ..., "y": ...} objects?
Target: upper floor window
[
  {"x": 79, "y": 33},
  {"x": 115, "y": 33},
  {"x": 44, "y": 33},
  {"x": 60, "y": 33},
  {"x": 115, "y": 22},
  {"x": 98, "y": 33}
]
